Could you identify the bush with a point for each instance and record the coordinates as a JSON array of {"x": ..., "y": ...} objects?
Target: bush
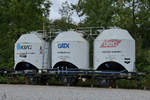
[
  {"x": 54, "y": 81},
  {"x": 17, "y": 80},
  {"x": 87, "y": 83},
  {"x": 126, "y": 84},
  {"x": 146, "y": 81},
  {"x": 3, "y": 80}
]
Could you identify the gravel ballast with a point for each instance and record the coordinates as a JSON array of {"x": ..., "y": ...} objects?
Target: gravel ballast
[{"x": 29, "y": 92}]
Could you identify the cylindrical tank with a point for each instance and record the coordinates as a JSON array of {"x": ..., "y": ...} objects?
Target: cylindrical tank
[
  {"x": 70, "y": 50},
  {"x": 32, "y": 52},
  {"x": 114, "y": 50}
]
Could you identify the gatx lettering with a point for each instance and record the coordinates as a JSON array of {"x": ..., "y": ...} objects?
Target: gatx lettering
[{"x": 63, "y": 45}]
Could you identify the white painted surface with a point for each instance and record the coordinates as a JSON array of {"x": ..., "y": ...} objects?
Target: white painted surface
[
  {"x": 31, "y": 48},
  {"x": 71, "y": 47},
  {"x": 114, "y": 45}
]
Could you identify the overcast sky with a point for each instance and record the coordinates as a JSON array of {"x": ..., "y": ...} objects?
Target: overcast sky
[{"x": 54, "y": 13}]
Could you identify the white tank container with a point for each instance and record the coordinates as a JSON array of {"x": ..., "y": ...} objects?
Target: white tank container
[
  {"x": 32, "y": 52},
  {"x": 70, "y": 50},
  {"x": 114, "y": 50}
]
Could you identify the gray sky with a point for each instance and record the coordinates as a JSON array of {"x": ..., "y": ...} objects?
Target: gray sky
[{"x": 54, "y": 13}]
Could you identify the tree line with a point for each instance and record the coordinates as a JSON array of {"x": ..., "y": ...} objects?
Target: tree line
[{"x": 18, "y": 17}]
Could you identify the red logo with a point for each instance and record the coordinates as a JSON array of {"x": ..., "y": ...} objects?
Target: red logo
[{"x": 110, "y": 43}]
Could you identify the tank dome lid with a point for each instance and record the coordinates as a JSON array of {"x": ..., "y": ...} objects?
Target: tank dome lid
[
  {"x": 30, "y": 37},
  {"x": 114, "y": 34},
  {"x": 69, "y": 36}
]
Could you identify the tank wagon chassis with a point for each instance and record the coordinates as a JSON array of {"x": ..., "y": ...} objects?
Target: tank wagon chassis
[{"x": 71, "y": 76}]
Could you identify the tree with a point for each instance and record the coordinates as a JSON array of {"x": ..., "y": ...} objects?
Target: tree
[
  {"x": 63, "y": 25},
  {"x": 97, "y": 12},
  {"x": 66, "y": 12},
  {"x": 144, "y": 22},
  {"x": 18, "y": 17},
  {"x": 128, "y": 14}
]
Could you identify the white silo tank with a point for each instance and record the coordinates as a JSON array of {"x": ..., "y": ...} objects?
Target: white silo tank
[
  {"x": 31, "y": 52},
  {"x": 70, "y": 50},
  {"x": 114, "y": 50}
]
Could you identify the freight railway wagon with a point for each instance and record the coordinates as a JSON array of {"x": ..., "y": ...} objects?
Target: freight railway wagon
[
  {"x": 70, "y": 50},
  {"x": 114, "y": 50},
  {"x": 67, "y": 57}
]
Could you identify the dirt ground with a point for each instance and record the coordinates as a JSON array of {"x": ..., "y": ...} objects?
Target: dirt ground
[{"x": 30, "y": 92}]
